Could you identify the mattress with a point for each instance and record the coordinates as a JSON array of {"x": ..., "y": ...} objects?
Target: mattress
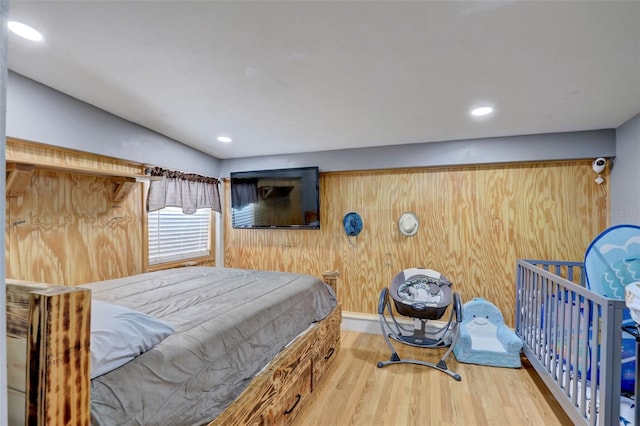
[{"x": 229, "y": 324}]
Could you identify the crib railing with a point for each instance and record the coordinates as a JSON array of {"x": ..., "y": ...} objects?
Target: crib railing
[{"x": 572, "y": 337}]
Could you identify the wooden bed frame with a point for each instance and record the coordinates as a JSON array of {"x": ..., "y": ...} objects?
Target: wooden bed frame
[{"x": 48, "y": 356}]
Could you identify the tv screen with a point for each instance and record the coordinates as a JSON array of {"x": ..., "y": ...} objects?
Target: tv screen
[{"x": 282, "y": 198}]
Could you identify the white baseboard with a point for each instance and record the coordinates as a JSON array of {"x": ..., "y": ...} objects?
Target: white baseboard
[
  {"x": 366, "y": 323},
  {"x": 370, "y": 323},
  {"x": 363, "y": 323}
]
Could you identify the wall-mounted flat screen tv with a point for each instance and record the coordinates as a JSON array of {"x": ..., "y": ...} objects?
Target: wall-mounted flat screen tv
[{"x": 282, "y": 198}]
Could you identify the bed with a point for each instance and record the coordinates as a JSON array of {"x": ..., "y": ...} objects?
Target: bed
[
  {"x": 245, "y": 347},
  {"x": 573, "y": 339}
]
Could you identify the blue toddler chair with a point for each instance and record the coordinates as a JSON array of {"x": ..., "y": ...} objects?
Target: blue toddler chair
[{"x": 484, "y": 337}]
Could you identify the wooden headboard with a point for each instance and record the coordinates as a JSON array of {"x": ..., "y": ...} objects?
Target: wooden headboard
[{"x": 49, "y": 326}]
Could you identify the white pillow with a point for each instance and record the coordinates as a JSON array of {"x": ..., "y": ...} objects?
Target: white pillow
[{"x": 119, "y": 334}]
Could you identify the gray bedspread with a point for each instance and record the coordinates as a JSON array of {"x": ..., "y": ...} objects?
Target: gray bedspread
[{"x": 229, "y": 324}]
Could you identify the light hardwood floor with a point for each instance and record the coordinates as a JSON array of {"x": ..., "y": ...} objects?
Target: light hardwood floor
[{"x": 356, "y": 392}]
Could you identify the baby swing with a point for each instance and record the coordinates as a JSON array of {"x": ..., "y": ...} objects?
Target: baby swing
[{"x": 422, "y": 294}]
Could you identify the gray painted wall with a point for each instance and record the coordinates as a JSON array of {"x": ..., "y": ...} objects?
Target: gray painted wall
[
  {"x": 39, "y": 113},
  {"x": 625, "y": 175},
  {"x": 544, "y": 147},
  {"x": 4, "y": 13}
]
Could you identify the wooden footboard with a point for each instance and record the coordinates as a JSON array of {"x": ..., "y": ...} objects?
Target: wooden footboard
[
  {"x": 48, "y": 336},
  {"x": 278, "y": 393}
]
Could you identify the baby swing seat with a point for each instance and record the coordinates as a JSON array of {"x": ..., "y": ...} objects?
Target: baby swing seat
[{"x": 424, "y": 295}]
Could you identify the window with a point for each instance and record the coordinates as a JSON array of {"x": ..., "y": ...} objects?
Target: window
[
  {"x": 245, "y": 214},
  {"x": 175, "y": 236}
]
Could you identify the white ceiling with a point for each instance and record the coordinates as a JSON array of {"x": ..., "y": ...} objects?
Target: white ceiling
[{"x": 302, "y": 76}]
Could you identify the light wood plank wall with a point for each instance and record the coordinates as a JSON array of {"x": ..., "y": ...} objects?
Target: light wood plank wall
[
  {"x": 65, "y": 228},
  {"x": 475, "y": 221}
]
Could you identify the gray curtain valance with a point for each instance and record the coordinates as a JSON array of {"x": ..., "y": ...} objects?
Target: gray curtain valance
[{"x": 185, "y": 190}]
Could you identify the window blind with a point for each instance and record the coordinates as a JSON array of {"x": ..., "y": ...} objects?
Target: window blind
[
  {"x": 245, "y": 215},
  {"x": 174, "y": 235}
]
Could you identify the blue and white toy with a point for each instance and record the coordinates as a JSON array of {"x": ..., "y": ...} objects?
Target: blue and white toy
[
  {"x": 484, "y": 337},
  {"x": 611, "y": 262}
]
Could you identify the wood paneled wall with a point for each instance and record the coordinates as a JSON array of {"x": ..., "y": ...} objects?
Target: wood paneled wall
[
  {"x": 474, "y": 223},
  {"x": 66, "y": 230}
]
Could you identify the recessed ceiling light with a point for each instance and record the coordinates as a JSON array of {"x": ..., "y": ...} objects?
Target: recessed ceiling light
[
  {"x": 481, "y": 111},
  {"x": 25, "y": 31},
  {"x": 224, "y": 139}
]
